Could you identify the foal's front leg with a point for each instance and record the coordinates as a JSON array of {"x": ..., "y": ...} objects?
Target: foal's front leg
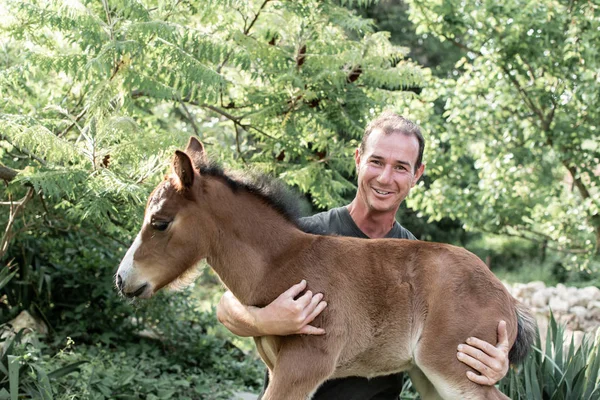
[{"x": 299, "y": 371}]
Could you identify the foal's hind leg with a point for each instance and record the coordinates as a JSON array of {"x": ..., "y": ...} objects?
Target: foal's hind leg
[
  {"x": 423, "y": 385},
  {"x": 441, "y": 376},
  {"x": 299, "y": 371}
]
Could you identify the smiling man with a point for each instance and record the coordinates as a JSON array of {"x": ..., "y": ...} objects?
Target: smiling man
[{"x": 389, "y": 164}]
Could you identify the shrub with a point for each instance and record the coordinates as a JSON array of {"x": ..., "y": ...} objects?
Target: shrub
[{"x": 551, "y": 373}]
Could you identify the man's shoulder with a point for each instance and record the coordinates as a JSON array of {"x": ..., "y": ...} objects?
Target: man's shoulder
[
  {"x": 321, "y": 223},
  {"x": 400, "y": 232}
]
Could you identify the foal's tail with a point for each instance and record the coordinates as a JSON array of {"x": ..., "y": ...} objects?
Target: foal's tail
[{"x": 526, "y": 331}]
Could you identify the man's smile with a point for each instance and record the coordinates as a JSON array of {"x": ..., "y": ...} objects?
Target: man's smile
[{"x": 381, "y": 192}]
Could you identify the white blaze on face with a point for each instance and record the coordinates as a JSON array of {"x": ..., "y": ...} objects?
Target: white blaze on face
[{"x": 126, "y": 268}]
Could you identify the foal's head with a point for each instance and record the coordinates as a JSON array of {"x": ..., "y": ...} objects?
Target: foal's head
[{"x": 174, "y": 237}]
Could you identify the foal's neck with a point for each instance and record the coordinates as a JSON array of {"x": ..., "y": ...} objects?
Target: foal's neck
[{"x": 253, "y": 239}]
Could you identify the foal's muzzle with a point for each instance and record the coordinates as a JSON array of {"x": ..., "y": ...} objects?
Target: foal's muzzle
[{"x": 131, "y": 293}]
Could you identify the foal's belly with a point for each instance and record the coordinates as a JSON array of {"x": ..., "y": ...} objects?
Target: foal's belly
[
  {"x": 378, "y": 360},
  {"x": 371, "y": 369}
]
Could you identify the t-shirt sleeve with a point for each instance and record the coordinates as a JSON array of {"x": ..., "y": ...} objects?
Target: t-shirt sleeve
[
  {"x": 407, "y": 234},
  {"x": 316, "y": 224}
]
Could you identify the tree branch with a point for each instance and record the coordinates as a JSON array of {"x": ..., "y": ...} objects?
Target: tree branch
[
  {"x": 15, "y": 209},
  {"x": 7, "y": 174},
  {"x": 24, "y": 150},
  {"x": 236, "y": 120},
  {"x": 81, "y": 114},
  {"x": 190, "y": 118},
  {"x": 246, "y": 32}
]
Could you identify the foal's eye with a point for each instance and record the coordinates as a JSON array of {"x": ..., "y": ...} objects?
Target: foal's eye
[{"x": 160, "y": 225}]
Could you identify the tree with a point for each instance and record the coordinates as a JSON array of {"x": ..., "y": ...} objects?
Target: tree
[
  {"x": 104, "y": 91},
  {"x": 519, "y": 149},
  {"x": 96, "y": 96}
]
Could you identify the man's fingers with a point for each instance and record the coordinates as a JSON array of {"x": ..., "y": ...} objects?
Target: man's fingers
[
  {"x": 502, "y": 336},
  {"x": 484, "y": 371},
  {"x": 314, "y": 313},
  {"x": 304, "y": 300},
  {"x": 314, "y": 302},
  {"x": 482, "y": 345},
  {"x": 295, "y": 290},
  {"x": 480, "y": 379},
  {"x": 311, "y": 330},
  {"x": 476, "y": 359}
]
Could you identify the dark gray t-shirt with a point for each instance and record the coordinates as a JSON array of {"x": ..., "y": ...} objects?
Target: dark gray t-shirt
[{"x": 339, "y": 222}]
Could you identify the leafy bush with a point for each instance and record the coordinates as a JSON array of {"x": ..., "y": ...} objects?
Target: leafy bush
[
  {"x": 23, "y": 371},
  {"x": 551, "y": 373},
  {"x": 190, "y": 359}
]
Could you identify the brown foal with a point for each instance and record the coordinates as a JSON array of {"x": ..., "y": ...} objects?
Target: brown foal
[{"x": 393, "y": 305}]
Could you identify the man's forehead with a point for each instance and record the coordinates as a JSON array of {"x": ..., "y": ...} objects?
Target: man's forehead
[{"x": 380, "y": 141}]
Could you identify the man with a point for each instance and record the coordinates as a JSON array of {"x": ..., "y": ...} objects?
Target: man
[{"x": 389, "y": 164}]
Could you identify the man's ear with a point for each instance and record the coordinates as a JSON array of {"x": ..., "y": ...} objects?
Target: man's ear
[
  {"x": 182, "y": 167},
  {"x": 418, "y": 174},
  {"x": 195, "y": 149}
]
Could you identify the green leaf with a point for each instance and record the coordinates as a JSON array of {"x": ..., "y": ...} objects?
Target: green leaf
[
  {"x": 74, "y": 367},
  {"x": 14, "y": 365},
  {"x": 5, "y": 276}
]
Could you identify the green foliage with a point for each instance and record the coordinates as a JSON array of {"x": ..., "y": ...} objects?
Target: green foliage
[
  {"x": 195, "y": 338},
  {"x": 95, "y": 96},
  {"x": 109, "y": 87},
  {"x": 518, "y": 144},
  {"x": 554, "y": 371},
  {"x": 21, "y": 372},
  {"x": 138, "y": 370}
]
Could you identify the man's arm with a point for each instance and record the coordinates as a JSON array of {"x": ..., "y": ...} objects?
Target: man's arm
[
  {"x": 286, "y": 315},
  {"x": 490, "y": 361}
]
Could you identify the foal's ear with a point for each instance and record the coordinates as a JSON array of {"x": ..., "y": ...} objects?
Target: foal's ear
[
  {"x": 195, "y": 149},
  {"x": 182, "y": 166}
]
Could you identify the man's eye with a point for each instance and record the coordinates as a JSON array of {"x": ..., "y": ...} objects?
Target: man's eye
[{"x": 160, "y": 225}]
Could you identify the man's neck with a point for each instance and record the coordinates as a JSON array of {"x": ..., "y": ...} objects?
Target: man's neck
[{"x": 373, "y": 224}]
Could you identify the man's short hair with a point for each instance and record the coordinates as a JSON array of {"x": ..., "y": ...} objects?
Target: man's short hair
[{"x": 390, "y": 122}]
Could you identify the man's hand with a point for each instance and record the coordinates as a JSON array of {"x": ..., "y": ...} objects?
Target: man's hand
[
  {"x": 490, "y": 361},
  {"x": 284, "y": 316}
]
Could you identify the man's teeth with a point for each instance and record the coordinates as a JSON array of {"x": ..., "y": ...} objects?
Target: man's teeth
[{"x": 381, "y": 192}]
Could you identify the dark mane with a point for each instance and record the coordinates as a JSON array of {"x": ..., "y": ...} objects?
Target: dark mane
[{"x": 272, "y": 191}]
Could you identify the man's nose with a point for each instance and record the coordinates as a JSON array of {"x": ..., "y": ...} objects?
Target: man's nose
[{"x": 386, "y": 175}]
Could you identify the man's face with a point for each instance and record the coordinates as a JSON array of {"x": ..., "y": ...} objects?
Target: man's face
[{"x": 386, "y": 170}]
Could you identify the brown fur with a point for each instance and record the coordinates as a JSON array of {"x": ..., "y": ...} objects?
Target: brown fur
[{"x": 393, "y": 305}]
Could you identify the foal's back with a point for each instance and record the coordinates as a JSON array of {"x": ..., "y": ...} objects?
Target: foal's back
[{"x": 404, "y": 303}]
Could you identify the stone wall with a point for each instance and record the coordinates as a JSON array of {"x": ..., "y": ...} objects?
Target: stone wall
[{"x": 577, "y": 308}]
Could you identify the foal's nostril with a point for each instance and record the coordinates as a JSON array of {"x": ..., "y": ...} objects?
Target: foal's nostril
[{"x": 119, "y": 282}]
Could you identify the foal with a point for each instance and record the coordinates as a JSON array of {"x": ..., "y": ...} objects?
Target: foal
[{"x": 393, "y": 305}]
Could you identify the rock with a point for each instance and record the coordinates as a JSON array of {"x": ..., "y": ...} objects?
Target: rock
[
  {"x": 579, "y": 311},
  {"x": 594, "y": 311},
  {"x": 539, "y": 299},
  {"x": 577, "y": 300},
  {"x": 558, "y": 305},
  {"x": 23, "y": 321},
  {"x": 590, "y": 293},
  {"x": 561, "y": 290},
  {"x": 26, "y": 321},
  {"x": 569, "y": 320},
  {"x": 536, "y": 286}
]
